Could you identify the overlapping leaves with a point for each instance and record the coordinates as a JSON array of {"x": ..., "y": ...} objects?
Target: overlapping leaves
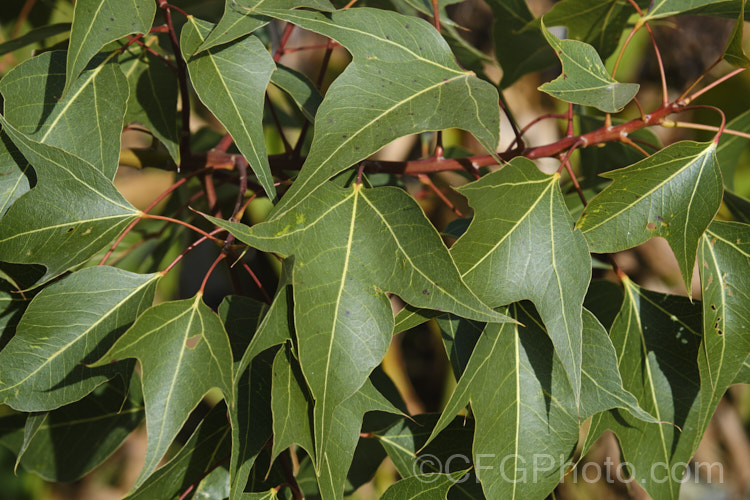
[
  {"x": 350, "y": 246},
  {"x": 171, "y": 340},
  {"x": 403, "y": 80},
  {"x": 674, "y": 194}
]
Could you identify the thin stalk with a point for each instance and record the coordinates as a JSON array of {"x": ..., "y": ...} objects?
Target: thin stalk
[{"x": 221, "y": 257}]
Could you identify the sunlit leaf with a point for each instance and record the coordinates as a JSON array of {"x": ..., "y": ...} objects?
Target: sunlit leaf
[
  {"x": 86, "y": 121},
  {"x": 98, "y": 22},
  {"x": 432, "y": 486},
  {"x": 71, "y": 214},
  {"x": 70, "y": 324},
  {"x": 406, "y": 81},
  {"x": 674, "y": 194},
  {"x": 734, "y": 53},
  {"x": 584, "y": 79},
  {"x": 170, "y": 340},
  {"x": 241, "y": 18},
  {"x": 520, "y": 245},
  {"x": 723, "y": 260},
  {"x": 340, "y": 307},
  {"x": 231, "y": 81}
]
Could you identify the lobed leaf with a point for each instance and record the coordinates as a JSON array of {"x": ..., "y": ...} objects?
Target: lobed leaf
[
  {"x": 242, "y": 17},
  {"x": 342, "y": 316},
  {"x": 171, "y": 340},
  {"x": 72, "y": 213},
  {"x": 98, "y": 22},
  {"x": 723, "y": 261},
  {"x": 584, "y": 79},
  {"x": 657, "y": 340},
  {"x": 231, "y": 81},
  {"x": 67, "y": 443},
  {"x": 85, "y": 122},
  {"x": 403, "y": 80},
  {"x": 674, "y": 193},
  {"x": 67, "y": 326},
  {"x": 521, "y": 244}
]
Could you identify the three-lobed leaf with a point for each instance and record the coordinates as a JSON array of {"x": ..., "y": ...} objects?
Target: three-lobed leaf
[
  {"x": 72, "y": 212},
  {"x": 584, "y": 79},
  {"x": 520, "y": 245},
  {"x": 351, "y": 245},
  {"x": 184, "y": 352},
  {"x": 67, "y": 326},
  {"x": 403, "y": 80},
  {"x": 674, "y": 193}
]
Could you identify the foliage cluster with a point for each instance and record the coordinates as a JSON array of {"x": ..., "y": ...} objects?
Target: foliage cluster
[{"x": 537, "y": 347}]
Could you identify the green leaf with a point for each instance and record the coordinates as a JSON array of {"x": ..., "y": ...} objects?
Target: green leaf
[
  {"x": 71, "y": 214},
  {"x": 289, "y": 406},
  {"x": 520, "y": 245},
  {"x": 734, "y": 53},
  {"x": 657, "y": 340},
  {"x": 69, "y": 442},
  {"x": 98, "y": 22},
  {"x": 16, "y": 176},
  {"x": 425, "y": 487},
  {"x": 209, "y": 445},
  {"x": 459, "y": 338},
  {"x": 341, "y": 444},
  {"x": 674, "y": 194},
  {"x": 531, "y": 407},
  {"x": 666, "y": 8},
  {"x": 153, "y": 97},
  {"x": 340, "y": 277},
  {"x": 86, "y": 122},
  {"x": 449, "y": 452},
  {"x": 231, "y": 81},
  {"x": 739, "y": 206},
  {"x": 602, "y": 387},
  {"x": 12, "y": 307},
  {"x": 252, "y": 424},
  {"x": 300, "y": 89},
  {"x": 731, "y": 148},
  {"x": 584, "y": 79},
  {"x": 519, "y": 51},
  {"x": 723, "y": 260},
  {"x": 33, "y": 36},
  {"x": 241, "y": 18},
  {"x": 406, "y": 80},
  {"x": 170, "y": 340},
  {"x": 596, "y": 22},
  {"x": 743, "y": 377},
  {"x": 68, "y": 325}
]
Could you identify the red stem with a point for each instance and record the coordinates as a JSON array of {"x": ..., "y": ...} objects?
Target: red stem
[
  {"x": 182, "y": 223},
  {"x": 188, "y": 249},
  {"x": 221, "y": 257}
]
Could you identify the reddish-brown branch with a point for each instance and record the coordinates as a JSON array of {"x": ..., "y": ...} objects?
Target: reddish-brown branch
[
  {"x": 188, "y": 249},
  {"x": 712, "y": 85},
  {"x": 425, "y": 179},
  {"x": 221, "y": 257},
  {"x": 182, "y": 79},
  {"x": 281, "y": 49},
  {"x": 183, "y": 223},
  {"x": 624, "y": 46}
]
